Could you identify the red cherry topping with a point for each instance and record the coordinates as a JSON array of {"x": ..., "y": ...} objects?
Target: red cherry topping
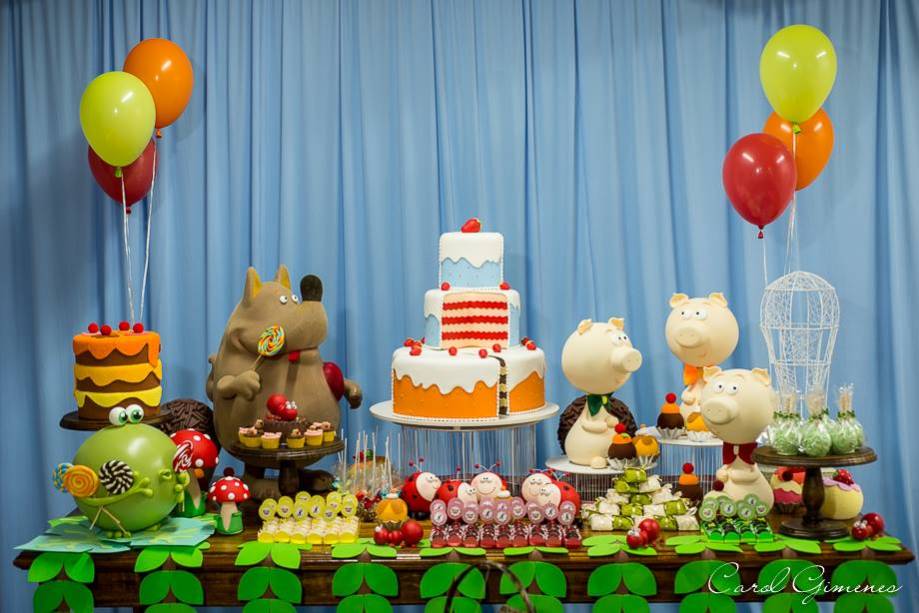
[
  {"x": 483, "y": 353},
  {"x": 275, "y": 403},
  {"x": 505, "y": 285},
  {"x": 445, "y": 286},
  {"x": 138, "y": 328},
  {"x": 93, "y": 328},
  {"x": 408, "y": 342},
  {"x": 496, "y": 348},
  {"x": 525, "y": 340},
  {"x": 717, "y": 485},
  {"x": 472, "y": 225},
  {"x": 531, "y": 346},
  {"x": 105, "y": 329},
  {"x": 786, "y": 474},
  {"x": 620, "y": 428},
  {"x": 671, "y": 398},
  {"x": 452, "y": 350},
  {"x": 415, "y": 350},
  {"x": 124, "y": 326},
  {"x": 688, "y": 468}
]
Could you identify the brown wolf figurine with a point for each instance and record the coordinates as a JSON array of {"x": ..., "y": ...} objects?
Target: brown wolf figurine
[{"x": 239, "y": 389}]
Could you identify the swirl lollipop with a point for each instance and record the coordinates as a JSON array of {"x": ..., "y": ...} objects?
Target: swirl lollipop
[
  {"x": 81, "y": 481},
  {"x": 270, "y": 343},
  {"x": 57, "y": 476}
]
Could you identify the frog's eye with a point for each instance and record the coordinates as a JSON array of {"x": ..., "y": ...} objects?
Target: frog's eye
[
  {"x": 282, "y": 299},
  {"x": 295, "y": 298},
  {"x": 118, "y": 416},
  {"x": 135, "y": 413}
]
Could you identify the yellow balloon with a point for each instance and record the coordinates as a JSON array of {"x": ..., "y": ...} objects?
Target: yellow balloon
[
  {"x": 117, "y": 115},
  {"x": 797, "y": 70}
]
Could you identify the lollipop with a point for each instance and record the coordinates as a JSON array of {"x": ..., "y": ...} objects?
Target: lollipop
[
  {"x": 116, "y": 477},
  {"x": 57, "y": 476},
  {"x": 81, "y": 481},
  {"x": 270, "y": 343}
]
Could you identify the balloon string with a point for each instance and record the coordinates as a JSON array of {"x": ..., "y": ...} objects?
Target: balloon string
[
  {"x": 143, "y": 284},
  {"x": 791, "y": 239},
  {"x": 129, "y": 274},
  {"x": 765, "y": 265}
]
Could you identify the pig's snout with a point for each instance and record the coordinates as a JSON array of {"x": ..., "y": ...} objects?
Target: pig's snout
[
  {"x": 719, "y": 410},
  {"x": 626, "y": 358},
  {"x": 690, "y": 336}
]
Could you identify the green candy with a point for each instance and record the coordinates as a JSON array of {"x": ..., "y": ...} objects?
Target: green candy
[
  {"x": 816, "y": 440},
  {"x": 635, "y": 475},
  {"x": 640, "y": 499},
  {"x": 675, "y": 507}
]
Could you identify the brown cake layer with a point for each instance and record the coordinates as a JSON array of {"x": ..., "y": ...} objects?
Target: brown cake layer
[
  {"x": 115, "y": 358},
  {"x": 87, "y": 385},
  {"x": 91, "y": 410}
]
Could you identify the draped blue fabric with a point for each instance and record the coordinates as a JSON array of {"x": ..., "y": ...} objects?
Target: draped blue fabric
[{"x": 341, "y": 138}]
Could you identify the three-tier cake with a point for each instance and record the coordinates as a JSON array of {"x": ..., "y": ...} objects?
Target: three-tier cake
[{"x": 472, "y": 362}]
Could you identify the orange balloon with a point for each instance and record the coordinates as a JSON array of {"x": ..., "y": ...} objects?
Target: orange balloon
[
  {"x": 166, "y": 71},
  {"x": 814, "y": 146}
]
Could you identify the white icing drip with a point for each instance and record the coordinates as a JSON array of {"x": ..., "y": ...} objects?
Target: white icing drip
[
  {"x": 434, "y": 299},
  {"x": 476, "y": 247},
  {"x": 521, "y": 363},
  {"x": 466, "y": 368}
]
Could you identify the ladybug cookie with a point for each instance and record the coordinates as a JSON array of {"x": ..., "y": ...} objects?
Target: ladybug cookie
[{"x": 419, "y": 489}]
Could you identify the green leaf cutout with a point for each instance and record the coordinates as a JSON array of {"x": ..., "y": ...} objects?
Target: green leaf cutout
[
  {"x": 770, "y": 546},
  {"x": 553, "y": 550},
  {"x": 348, "y": 550},
  {"x": 80, "y": 567},
  {"x": 884, "y": 546},
  {"x": 78, "y": 597},
  {"x": 268, "y": 605},
  {"x": 381, "y": 551},
  {"x": 856, "y": 572},
  {"x": 542, "y": 604},
  {"x": 376, "y": 604},
  {"x": 640, "y": 551},
  {"x": 724, "y": 547},
  {"x": 695, "y": 575},
  {"x": 510, "y": 552},
  {"x": 186, "y": 587},
  {"x": 285, "y": 585},
  {"x": 252, "y": 553},
  {"x": 616, "y": 603},
  {"x": 604, "y": 549},
  {"x": 253, "y": 583},
  {"x": 683, "y": 539},
  {"x": 348, "y": 578},
  {"x": 437, "y": 580},
  {"x": 351, "y": 604},
  {"x": 803, "y": 545},
  {"x": 285, "y": 555},
  {"x": 798, "y": 574},
  {"x": 873, "y": 603},
  {"x": 551, "y": 580},
  {"x": 188, "y": 557},
  {"x": 470, "y": 551},
  {"x": 46, "y": 566},
  {"x": 604, "y": 580},
  {"x": 602, "y": 539},
  {"x": 790, "y": 602},
  {"x": 461, "y": 604},
  {"x": 713, "y": 603},
  {"x": 687, "y": 549},
  {"x": 150, "y": 558},
  {"x": 155, "y": 586},
  {"x": 381, "y": 579},
  {"x": 48, "y": 597},
  {"x": 524, "y": 571},
  {"x": 170, "y": 607},
  {"x": 431, "y": 552},
  {"x": 639, "y": 579}
]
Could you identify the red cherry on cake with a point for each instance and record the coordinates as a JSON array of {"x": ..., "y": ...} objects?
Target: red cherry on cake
[
  {"x": 124, "y": 326},
  {"x": 525, "y": 340},
  {"x": 717, "y": 485},
  {"x": 843, "y": 476},
  {"x": 408, "y": 342},
  {"x": 505, "y": 285},
  {"x": 670, "y": 398},
  {"x": 445, "y": 286},
  {"x": 531, "y": 346},
  {"x": 138, "y": 328},
  {"x": 472, "y": 225},
  {"x": 452, "y": 350},
  {"x": 620, "y": 428},
  {"x": 787, "y": 475},
  {"x": 275, "y": 403},
  {"x": 105, "y": 330},
  {"x": 415, "y": 350},
  {"x": 875, "y": 522},
  {"x": 289, "y": 412},
  {"x": 496, "y": 348},
  {"x": 483, "y": 353},
  {"x": 93, "y": 328},
  {"x": 688, "y": 468}
]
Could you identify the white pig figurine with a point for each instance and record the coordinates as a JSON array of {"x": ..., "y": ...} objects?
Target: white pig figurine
[
  {"x": 737, "y": 405},
  {"x": 700, "y": 332},
  {"x": 598, "y": 358}
]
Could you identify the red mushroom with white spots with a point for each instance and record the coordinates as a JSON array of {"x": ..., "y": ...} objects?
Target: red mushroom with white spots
[
  {"x": 228, "y": 491},
  {"x": 196, "y": 453}
]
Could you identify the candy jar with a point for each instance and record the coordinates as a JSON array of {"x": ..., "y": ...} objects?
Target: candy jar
[
  {"x": 471, "y": 527},
  {"x": 567, "y": 514},
  {"x": 553, "y": 531},
  {"x": 487, "y": 533},
  {"x": 816, "y": 440},
  {"x": 537, "y": 530},
  {"x": 455, "y": 525},
  {"x": 847, "y": 433},
  {"x": 391, "y": 511},
  {"x": 438, "y": 523},
  {"x": 785, "y": 432}
]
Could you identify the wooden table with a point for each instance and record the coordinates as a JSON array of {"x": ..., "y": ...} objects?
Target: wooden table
[{"x": 116, "y": 584}]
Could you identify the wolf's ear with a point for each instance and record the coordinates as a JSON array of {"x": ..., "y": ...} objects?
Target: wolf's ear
[
  {"x": 253, "y": 286},
  {"x": 311, "y": 288},
  {"x": 282, "y": 276},
  {"x": 678, "y": 299}
]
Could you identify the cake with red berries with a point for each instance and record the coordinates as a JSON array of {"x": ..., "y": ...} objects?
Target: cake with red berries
[
  {"x": 787, "y": 488},
  {"x": 472, "y": 362},
  {"x": 116, "y": 368},
  {"x": 842, "y": 497}
]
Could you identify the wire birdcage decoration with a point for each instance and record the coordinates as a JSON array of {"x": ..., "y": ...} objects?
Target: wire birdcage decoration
[{"x": 799, "y": 317}]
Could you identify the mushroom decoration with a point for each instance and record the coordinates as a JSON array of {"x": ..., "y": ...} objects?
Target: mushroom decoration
[
  {"x": 195, "y": 452},
  {"x": 227, "y": 492}
]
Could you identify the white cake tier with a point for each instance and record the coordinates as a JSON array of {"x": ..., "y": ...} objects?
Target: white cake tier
[
  {"x": 501, "y": 326},
  {"x": 471, "y": 259}
]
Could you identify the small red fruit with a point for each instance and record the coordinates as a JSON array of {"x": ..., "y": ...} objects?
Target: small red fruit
[
  {"x": 787, "y": 475},
  {"x": 408, "y": 342},
  {"x": 275, "y": 403},
  {"x": 717, "y": 485},
  {"x": 288, "y": 414},
  {"x": 138, "y": 328},
  {"x": 860, "y": 531},
  {"x": 525, "y": 340},
  {"x": 380, "y": 535},
  {"x": 636, "y": 538},
  {"x": 412, "y": 532},
  {"x": 496, "y": 348},
  {"x": 93, "y": 328},
  {"x": 620, "y": 428},
  {"x": 874, "y": 521},
  {"x": 483, "y": 353},
  {"x": 670, "y": 398},
  {"x": 688, "y": 468},
  {"x": 472, "y": 225},
  {"x": 651, "y": 527},
  {"x": 843, "y": 476},
  {"x": 415, "y": 350},
  {"x": 452, "y": 350},
  {"x": 395, "y": 537},
  {"x": 531, "y": 346},
  {"x": 105, "y": 330},
  {"x": 505, "y": 285},
  {"x": 445, "y": 286}
]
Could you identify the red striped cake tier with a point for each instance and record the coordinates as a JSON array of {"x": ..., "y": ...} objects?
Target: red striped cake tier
[{"x": 474, "y": 319}]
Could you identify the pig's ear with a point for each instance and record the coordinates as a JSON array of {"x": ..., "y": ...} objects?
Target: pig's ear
[
  {"x": 253, "y": 286},
  {"x": 678, "y": 299},
  {"x": 762, "y": 375},
  {"x": 282, "y": 276},
  {"x": 584, "y": 326},
  {"x": 718, "y": 298},
  {"x": 710, "y": 372},
  {"x": 617, "y": 322}
]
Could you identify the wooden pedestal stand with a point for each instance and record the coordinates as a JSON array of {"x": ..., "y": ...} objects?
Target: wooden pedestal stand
[
  {"x": 811, "y": 525},
  {"x": 287, "y": 462}
]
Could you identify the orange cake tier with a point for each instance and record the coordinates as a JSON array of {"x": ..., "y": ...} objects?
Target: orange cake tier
[
  {"x": 439, "y": 385},
  {"x": 119, "y": 368}
]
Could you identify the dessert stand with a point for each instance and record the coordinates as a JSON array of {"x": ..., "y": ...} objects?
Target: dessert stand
[
  {"x": 287, "y": 462},
  {"x": 589, "y": 482},
  {"x": 811, "y": 525},
  {"x": 705, "y": 456}
]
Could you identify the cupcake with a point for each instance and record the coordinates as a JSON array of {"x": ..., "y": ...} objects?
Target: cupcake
[
  {"x": 328, "y": 432},
  {"x": 696, "y": 429},
  {"x": 787, "y": 485},
  {"x": 295, "y": 439},
  {"x": 842, "y": 497},
  {"x": 274, "y": 423},
  {"x": 670, "y": 423},
  {"x": 622, "y": 451},
  {"x": 313, "y": 437},
  {"x": 688, "y": 484},
  {"x": 646, "y": 449},
  {"x": 271, "y": 440},
  {"x": 249, "y": 437}
]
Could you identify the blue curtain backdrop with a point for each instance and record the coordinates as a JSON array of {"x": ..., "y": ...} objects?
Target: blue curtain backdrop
[{"x": 342, "y": 137}]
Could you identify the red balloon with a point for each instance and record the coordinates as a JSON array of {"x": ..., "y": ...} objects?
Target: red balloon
[
  {"x": 138, "y": 175},
  {"x": 759, "y": 178}
]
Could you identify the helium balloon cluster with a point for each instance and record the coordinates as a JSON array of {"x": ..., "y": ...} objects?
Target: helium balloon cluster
[
  {"x": 762, "y": 171},
  {"x": 120, "y": 109}
]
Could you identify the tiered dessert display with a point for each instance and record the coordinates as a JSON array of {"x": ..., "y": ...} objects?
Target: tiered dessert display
[{"x": 472, "y": 386}]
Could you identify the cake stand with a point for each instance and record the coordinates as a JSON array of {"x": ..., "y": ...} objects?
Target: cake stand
[
  {"x": 287, "y": 462},
  {"x": 453, "y": 448},
  {"x": 811, "y": 525},
  {"x": 589, "y": 482}
]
